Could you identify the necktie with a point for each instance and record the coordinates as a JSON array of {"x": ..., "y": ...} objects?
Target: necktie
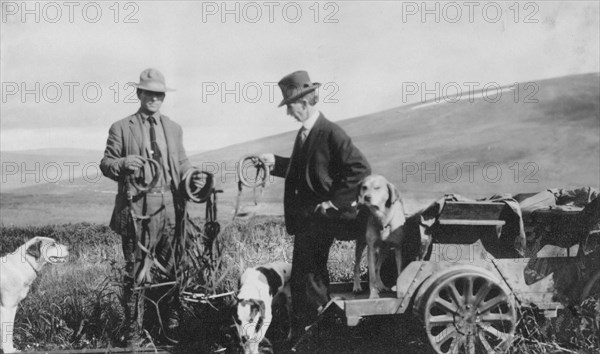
[
  {"x": 303, "y": 135},
  {"x": 153, "y": 144}
]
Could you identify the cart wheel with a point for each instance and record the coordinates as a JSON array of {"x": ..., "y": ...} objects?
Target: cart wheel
[{"x": 469, "y": 312}]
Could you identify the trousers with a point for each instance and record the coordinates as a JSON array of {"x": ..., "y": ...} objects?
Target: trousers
[
  {"x": 151, "y": 241},
  {"x": 310, "y": 276},
  {"x": 148, "y": 252}
]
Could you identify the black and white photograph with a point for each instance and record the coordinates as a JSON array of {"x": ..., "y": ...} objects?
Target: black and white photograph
[{"x": 300, "y": 176}]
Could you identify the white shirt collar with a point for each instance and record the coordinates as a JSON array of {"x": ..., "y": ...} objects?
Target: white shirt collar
[{"x": 310, "y": 122}]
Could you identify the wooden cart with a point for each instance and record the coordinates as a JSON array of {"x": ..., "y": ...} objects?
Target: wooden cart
[{"x": 468, "y": 299}]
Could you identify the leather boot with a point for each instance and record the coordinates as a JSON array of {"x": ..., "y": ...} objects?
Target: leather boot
[{"x": 134, "y": 312}]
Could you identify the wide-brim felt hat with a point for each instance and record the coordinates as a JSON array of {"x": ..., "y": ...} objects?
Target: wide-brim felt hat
[
  {"x": 152, "y": 80},
  {"x": 296, "y": 85}
]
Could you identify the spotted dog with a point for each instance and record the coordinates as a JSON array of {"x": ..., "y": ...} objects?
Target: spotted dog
[
  {"x": 259, "y": 286},
  {"x": 18, "y": 270}
]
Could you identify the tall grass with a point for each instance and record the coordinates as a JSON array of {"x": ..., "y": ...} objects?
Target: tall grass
[
  {"x": 78, "y": 304},
  {"x": 73, "y": 305}
]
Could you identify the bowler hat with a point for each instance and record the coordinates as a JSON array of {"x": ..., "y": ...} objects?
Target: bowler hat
[
  {"x": 152, "y": 80},
  {"x": 296, "y": 85}
]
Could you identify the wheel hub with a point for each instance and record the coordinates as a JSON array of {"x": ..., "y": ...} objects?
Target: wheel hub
[{"x": 466, "y": 320}]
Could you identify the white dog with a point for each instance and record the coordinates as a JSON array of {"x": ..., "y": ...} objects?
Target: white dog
[
  {"x": 385, "y": 229},
  {"x": 17, "y": 271},
  {"x": 259, "y": 286}
]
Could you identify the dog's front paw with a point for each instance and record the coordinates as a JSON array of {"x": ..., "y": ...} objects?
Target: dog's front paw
[
  {"x": 10, "y": 350},
  {"x": 357, "y": 288},
  {"x": 381, "y": 287}
]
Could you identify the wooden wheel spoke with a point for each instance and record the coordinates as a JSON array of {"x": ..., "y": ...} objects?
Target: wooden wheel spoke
[
  {"x": 441, "y": 320},
  {"x": 482, "y": 293},
  {"x": 455, "y": 347},
  {"x": 496, "y": 317},
  {"x": 448, "y": 333},
  {"x": 495, "y": 332},
  {"x": 484, "y": 342},
  {"x": 468, "y": 290},
  {"x": 470, "y": 347},
  {"x": 486, "y": 306},
  {"x": 458, "y": 300},
  {"x": 447, "y": 306}
]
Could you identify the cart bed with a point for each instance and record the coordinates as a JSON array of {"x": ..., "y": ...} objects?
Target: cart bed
[{"x": 356, "y": 306}]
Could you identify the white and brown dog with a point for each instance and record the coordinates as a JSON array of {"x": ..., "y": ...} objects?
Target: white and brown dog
[
  {"x": 18, "y": 270},
  {"x": 259, "y": 287},
  {"x": 385, "y": 230}
]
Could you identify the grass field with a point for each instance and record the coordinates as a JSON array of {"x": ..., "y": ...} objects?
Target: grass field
[{"x": 77, "y": 305}]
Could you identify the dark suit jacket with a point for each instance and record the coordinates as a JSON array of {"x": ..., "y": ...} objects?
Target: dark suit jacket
[
  {"x": 327, "y": 167},
  {"x": 125, "y": 137}
]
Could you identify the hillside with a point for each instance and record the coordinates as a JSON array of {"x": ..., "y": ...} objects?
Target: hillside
[
  {"x": 35, "y": 167},
  {"x": 479, "y": 148},
  {"x": 545, "y": 136}
]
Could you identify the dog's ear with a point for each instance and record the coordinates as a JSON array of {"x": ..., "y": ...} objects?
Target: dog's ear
[
  {"x": 393, "y": 195},
  {"x": 273, "y": 279},
  {"x": 35, "y": 250}
]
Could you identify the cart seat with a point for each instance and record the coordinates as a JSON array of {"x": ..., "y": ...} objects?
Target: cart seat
[{"x": 494, "y": 223}]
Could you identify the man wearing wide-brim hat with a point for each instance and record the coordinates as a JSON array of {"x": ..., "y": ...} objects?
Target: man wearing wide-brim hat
[
  {"x": 321, "y": 185},
  {"x": 146, "y": 220}
]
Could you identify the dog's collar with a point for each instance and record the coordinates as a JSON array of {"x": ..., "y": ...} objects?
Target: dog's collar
[{"x": 386, "y": 228}]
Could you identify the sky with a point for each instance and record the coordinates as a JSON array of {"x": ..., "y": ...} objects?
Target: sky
[{"x": 65, "y": 66}]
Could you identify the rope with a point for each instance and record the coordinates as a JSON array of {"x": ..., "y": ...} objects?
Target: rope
[
  {"x": 155, "y": 168},
  {"x": 260, "y": 179},
  {"x": 198, "y": 195}
]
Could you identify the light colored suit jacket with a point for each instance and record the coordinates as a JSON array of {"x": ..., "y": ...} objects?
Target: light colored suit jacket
[{"x": 126, "y": 137}]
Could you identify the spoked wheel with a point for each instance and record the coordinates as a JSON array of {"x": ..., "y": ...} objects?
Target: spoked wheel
[{"x": 469, "y": 312}]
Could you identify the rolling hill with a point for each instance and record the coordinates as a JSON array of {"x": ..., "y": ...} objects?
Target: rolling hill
[
  {"x": 542, "y": 135},
  {"x": 34, "y": 167}
]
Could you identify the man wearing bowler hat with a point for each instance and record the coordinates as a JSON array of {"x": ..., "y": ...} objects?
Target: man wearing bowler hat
[
  {"x": 147, "y": 221},
  {"x": 321, "y": 184}
]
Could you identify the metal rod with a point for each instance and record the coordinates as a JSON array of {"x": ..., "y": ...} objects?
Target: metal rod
[{"x": 154, "y": 285}]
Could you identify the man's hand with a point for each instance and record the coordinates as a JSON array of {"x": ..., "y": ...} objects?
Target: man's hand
[
  {"x": 132, "y": 163},
  {"x": 198, "y": 180},
  {"x": 269, "y": 160},
  {"x": 322, "y": 207}
]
